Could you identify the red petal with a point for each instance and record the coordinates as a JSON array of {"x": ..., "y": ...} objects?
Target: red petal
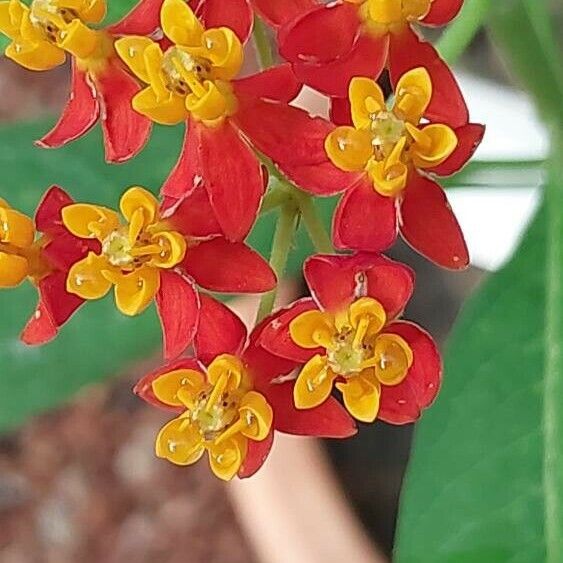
[
  {"x": 367, "y": 58},
  {"x": 403, "y": 403},
  {"x": 256, "y": 456},
  {"x": 408, "y": 51},
  {"x": 281, "y": 11},
  {"x": 220, "y": 331},
  {"x": 192, "y": 215},
  {"x": 232, "y": 176},
  {"x": 275, "y": 337},
  {"x": 469, "y": 137},
  {"x": 336, "y": 281},
  {"x": 442, "y": 11},
  {"x": 55, "y": 307},
  {"x": 64, "y": 250},
  {"x": 178, "y": 305},
  {"x": 79, "y": 115},
  {"x": 235, "y": 14},
  {"x": 228, "y": 267},
  {"x": 365, "y": 220},
  {"x": 125, "y": 130},
  {"x": 340, "y": 111},
  {"x": 277, "y": 84},
  {"x": 429, "y": 225},
  {"x": 143, "y": 387},
  {"x": 48, "y": 216},
  {"x": 329, "y": 420},
  {"x": 321, "y": 35},
  {"x": 295, "y": 142},
  {"x": 186, "y": 174},
  {"x": 143, "y": 19}
]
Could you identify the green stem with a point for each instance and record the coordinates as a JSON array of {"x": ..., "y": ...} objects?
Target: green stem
[
  {"x": 283, "y": 239},
  {"x": 553, "y": 377},
  {"x": 275, "y": 197},
  {"x": 461, "y": 32},
  {"x": 263, "y": 44},
  {"x": 314, "y": 225}
]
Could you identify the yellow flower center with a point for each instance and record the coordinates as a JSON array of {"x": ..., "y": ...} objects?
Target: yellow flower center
[
  {"x": 359, "y": 357},
  {"x": 388, "y": 143},
  {"x": 382, "y": 16},
  {"x": 222, "y": 412},
  {"x": 20, "y": 253},
  {"x": 132, "y": 254},
  {"x": 192, "y": 78}
]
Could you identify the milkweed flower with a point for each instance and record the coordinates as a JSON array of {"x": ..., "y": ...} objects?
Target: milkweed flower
[
  {"x": 191, "y": 77},
  {"x": 160, "y": 255},
  {"x": 41, "y": 251},
  {"x": 45, "y": 33},
  {"x": 229, "y": 401},
  {"x": 348, "y": 337},
  {"x": 330, "y": 44}
]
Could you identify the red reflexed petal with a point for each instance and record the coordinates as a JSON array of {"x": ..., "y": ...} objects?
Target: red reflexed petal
[
  {"x": 336, "y": 281},
  {"x": 340, "y": 111},
  {"x": 125, "y": 130},
  {"x": 228, "y": 267},
  {"x": 178, "y": 305},
  {"x": 278, "y": 83},
  {"x": 64, "y": 250},
  {"x": 408, "y": 51},
  {"x": 403, "y": 403},
  {"x": 321, "y": 35},
  {"x": 143, "y": 19},
  {"x": 192, "y": 215},
  {"x": 367, "y": 58},
  {"x": 220, "y": 331},
  {"x": 186, "y": 174},
  {"x": 295, "y": 142},
  {"x": 329, "y": 420},
  {"x": 281, "y": 11},
  {"x": 55, "y": 307},
  {"x": 79, "y": 115},
  {"x": 143, "y": 387},
  {"x": 232, "y": 176},
  {"x": 469, "y": 137},
  {"x": 365, "y": 220},
  {"x": 275, "y": 337},
  {"x": 256, "y": 456},
  {"x": 442, "y": 11},
  {"x": 234, "y": 14},
  {"x": 429, "y": 225},
  {"x": 48, "y": 216}
]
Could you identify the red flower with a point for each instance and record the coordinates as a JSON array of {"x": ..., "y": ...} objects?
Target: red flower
[
  {"x": 279, "y": 12},
  {"x": 191, "y": 77},
  {"x": 385, "y": 164},
  {"x": 330, "y": 44},
  {"x": 44, "y": 260},
  {"x": 162, "y": 255},
  {"x": 230, "y": 399},
  {"x": 348, "y": 336},
  {"x": 101, "y": 87}
]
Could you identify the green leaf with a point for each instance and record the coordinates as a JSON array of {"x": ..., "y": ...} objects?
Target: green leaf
[{"x": 474, "y": 489}]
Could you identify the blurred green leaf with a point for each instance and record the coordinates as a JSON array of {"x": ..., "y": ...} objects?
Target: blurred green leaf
[{"x": 474, "y": 492}]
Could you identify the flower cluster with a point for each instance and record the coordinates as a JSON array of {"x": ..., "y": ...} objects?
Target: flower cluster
[{"x": 326, "y": 361}]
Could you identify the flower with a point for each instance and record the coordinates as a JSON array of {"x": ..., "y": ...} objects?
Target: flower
[
  {"x": 330, "y": 44},
  {"x": 43, "y": 260},
  {"x": 191, "y": 77},
  {"x": 229, "y": 400},
  {"x": 385, "y": 164},
  {"x": 348, "y": 336},
  {"x": 281, "y": 12},
  {"x": 160, "y": 254},
  {"x": 43, "y": 34}
]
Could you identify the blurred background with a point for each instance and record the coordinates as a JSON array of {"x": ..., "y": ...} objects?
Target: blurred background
[{"x": 81, "y": 483}]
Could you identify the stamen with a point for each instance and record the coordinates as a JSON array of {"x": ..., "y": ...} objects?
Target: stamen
[
  {"x": 217, "y": 391},
  {"x": 361, "y": 330}
]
